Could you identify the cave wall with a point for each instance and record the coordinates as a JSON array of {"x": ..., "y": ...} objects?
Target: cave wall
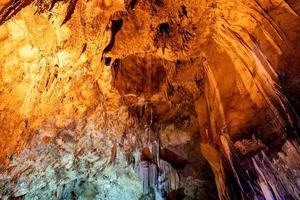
[{"x": 222, "y": 76}]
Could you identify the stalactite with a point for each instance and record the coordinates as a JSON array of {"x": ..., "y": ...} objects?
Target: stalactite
[
  {"x": 215, "y": 125},
  {"x": 153, "y": 175},
  {"x": 213, "y": 157},
  {"x": 168, "y": 179},
  {"x": 165, "y": 63},
  {"x": 144, "y": 175},
  {"x": 277, "y": 177},
  {"x": 266, "y": 190},
  {"x": 155, "y": 152},
  {"x": 158, "y": 174},
  {"x": 252, "y": 65},
  {"x": 228, "y": 155}
]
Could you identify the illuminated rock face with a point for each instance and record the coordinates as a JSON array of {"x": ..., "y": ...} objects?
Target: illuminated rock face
[{"x": 87, "y": 86}]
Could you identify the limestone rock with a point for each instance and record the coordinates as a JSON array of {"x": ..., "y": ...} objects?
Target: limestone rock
[{"x": 86, "y": 85}]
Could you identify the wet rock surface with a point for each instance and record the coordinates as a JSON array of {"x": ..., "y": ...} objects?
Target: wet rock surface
[{"x": 87, "y": 86}]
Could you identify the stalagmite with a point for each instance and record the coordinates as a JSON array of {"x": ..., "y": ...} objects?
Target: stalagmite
[
  {"x": 168, "y": 179},
  {"x": 266, "y": 190},
  {"x": 153, "y": 175},
  {"x": 278, "y": 177},
  {"x": 144, "y": 175},
  {"x": 157, "y": 174},
  {"x": 152, "y": 99}
]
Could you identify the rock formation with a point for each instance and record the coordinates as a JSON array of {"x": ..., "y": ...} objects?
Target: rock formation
[{"x": 149, "y": 99}]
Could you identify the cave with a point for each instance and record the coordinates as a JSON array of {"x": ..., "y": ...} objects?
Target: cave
[{"x": 149, "y": 99}]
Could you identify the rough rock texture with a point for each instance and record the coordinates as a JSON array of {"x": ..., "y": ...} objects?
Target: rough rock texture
[{"x": 87, "y": 85}]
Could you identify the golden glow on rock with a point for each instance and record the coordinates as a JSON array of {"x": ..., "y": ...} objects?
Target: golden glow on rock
[{"x": 228, "y": 64}]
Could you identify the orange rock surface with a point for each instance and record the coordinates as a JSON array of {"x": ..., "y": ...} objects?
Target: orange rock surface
[{"x": 229, "y": 67}]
